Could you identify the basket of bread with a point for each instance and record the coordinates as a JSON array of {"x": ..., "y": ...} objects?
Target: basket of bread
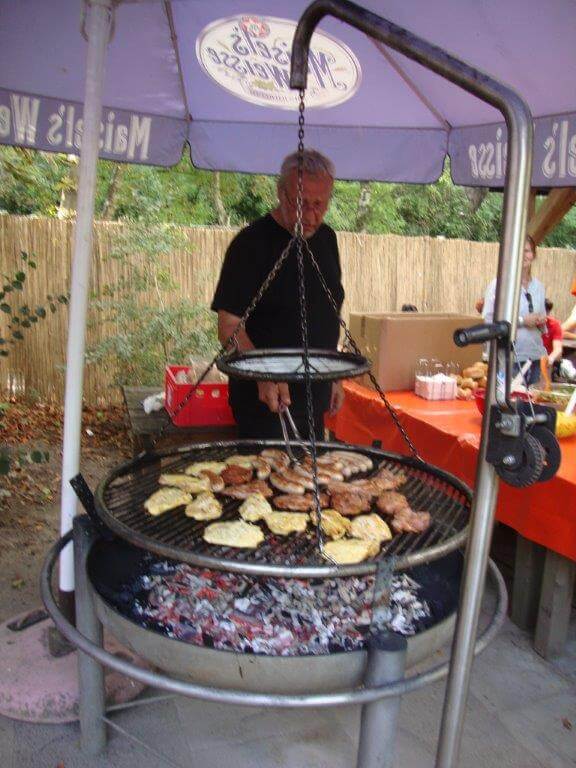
[{"x": 471, "y": 380}]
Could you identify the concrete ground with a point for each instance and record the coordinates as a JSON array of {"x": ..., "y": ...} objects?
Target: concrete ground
[{"x": 521, "y": 714}]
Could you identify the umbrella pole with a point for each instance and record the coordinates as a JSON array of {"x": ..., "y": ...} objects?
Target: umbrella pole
[{"x": 98, "y": 24}]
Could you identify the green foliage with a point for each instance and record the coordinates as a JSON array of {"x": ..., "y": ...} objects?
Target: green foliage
[
  {"x": 9, "y": 306},
  {"x": 143, "y": 334},
  {"x": 32, "y": 183},
  {"x": 564, "y": 234}
]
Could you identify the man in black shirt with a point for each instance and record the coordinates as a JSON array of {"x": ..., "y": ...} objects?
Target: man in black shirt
[{"x": 275, "y": 321}]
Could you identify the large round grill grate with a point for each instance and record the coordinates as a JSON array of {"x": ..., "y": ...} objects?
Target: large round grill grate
[{"x": 120, "y": 499}]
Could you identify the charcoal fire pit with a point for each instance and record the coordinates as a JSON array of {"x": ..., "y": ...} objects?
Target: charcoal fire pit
[
  {"x": 114, "y": 569},
  {"x": 113, "y": 551}
]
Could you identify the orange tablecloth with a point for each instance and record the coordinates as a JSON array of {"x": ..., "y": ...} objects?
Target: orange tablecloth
[{"x": 447, "y": 434}]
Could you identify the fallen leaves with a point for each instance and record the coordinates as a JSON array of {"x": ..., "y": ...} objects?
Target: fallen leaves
[{"x": 23, "y": 423}]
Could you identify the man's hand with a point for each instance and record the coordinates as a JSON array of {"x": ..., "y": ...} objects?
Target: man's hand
[
  {"x": 336, "y": 398},
  {"x": 534, "y": 320},
  {"x": 274, "y": 395}
]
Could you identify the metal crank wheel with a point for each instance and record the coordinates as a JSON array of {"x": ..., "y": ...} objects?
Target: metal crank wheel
[
  {"x": 529, "y": 470},
  {"x": 552, "y": 453}
]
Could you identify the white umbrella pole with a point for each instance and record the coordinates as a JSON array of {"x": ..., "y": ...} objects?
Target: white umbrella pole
[{"x": 99, "y": 18}]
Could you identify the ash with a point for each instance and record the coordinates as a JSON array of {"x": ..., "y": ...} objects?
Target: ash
[{"x": 278, "y": 617}]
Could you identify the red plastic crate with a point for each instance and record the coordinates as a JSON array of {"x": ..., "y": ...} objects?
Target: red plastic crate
[{"x": 208, "y": 406}]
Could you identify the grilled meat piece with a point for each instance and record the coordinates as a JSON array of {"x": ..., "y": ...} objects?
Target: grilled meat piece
[
  {"x": 185, "y": 483},
  {"x": 262, "y": 467},
  {"x": 237, "y": 475},
  {"x": 324, "y": 477},
  {"x": 278, "y": 459},
  {"x": 285, "y": 523},
  {"x": 298, "y": 502},
  {"x": 350, "y": 504},
  {"x": 327, "y": 468},
  {"x": 237, "y": 533},
  {"x": 247, "y": 489},
  {"x": 370, "y": 486},
  {"x": 370, "y": 527},
  {"x": 166, "y": 499},
  {"x": 204, "y": 507},
  {"x": 334, "y": 525},
  {"x": 390, "y": 480},
  {"x": 216, "y": 481},
  {"x": 391, "y": 503},
  {"x": 357, "y": 461},
  {"x": 348, "y": 487},
  {"x": 348, "y": 551},
  {"x": 407, "y": 521},
  {"x": 241, "y": 460},
  {"x": 287, "y": 484},
  {"x": 201, "y": 466},
  {"x": 255, "y": 508}
]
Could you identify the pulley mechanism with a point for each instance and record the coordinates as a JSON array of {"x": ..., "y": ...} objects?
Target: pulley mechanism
[{"x": 522, "y": 444}]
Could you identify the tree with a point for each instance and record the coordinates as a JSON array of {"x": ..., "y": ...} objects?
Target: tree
[{"x": 37, "y": 183}]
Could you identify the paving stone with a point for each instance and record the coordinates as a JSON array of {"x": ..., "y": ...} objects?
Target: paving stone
[{"x": 547, "y": 728}]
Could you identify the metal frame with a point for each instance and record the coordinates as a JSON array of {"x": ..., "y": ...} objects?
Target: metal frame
[
  {"x": 519, "y": 159},
  {"x": 380, "y": 695},
  {"x": 516, "y": 191},
  {"x": 235, "y": 563}
]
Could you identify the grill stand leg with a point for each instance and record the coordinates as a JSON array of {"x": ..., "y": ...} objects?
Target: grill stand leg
[
  {"x": 90, "y": 673},
  {"x": 379, "y": 720}
]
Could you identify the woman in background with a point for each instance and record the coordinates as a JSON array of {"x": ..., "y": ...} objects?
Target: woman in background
[{"x": 531, "y": 319}]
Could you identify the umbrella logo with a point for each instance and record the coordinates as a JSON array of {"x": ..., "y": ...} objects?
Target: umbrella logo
[{"x": 249, "y": 56}]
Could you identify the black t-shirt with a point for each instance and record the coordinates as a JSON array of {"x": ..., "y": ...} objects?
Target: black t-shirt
[{"x": 275, "y": 321}]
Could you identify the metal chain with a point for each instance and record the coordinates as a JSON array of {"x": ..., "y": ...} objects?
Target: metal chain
[
  {"x": 352, "y": 345},
  {"x": 232, "y": 341},
  {"x": 300, "y": 242}
]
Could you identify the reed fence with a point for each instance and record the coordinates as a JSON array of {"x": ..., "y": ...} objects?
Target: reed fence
[{"x": 380, "y": 274}]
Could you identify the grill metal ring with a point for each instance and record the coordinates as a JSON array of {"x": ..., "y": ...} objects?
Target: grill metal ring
[
  {"x": 120, "y": 497},
  {"x": 289, "y": 365}
]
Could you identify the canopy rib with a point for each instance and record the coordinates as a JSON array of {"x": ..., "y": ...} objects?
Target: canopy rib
[
  {"x": 174, "y": 38},
  {"x": 411, "y": 84}
]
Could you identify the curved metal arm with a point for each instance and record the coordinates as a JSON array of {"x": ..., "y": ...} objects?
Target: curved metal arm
[{"x": 512, "y": 106}]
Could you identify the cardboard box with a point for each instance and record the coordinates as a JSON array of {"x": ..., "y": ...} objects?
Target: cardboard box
[{"x": 395, "y": 341}]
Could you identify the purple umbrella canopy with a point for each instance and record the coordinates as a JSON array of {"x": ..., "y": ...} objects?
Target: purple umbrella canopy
[{"x": 216, "y": 74}]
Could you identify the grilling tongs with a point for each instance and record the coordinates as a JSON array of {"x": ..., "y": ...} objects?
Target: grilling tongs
[{"x": 286, "y": 421}]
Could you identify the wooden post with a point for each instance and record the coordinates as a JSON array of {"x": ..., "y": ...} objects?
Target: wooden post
[
  {"x": 551, "y": 212},
  {"x": 555, "y": 605},
  {"x": 528, "y": 568},
  {"x": 531, "y": 205}
]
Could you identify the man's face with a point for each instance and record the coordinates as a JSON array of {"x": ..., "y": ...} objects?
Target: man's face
[{"x": 315, "y": 200}]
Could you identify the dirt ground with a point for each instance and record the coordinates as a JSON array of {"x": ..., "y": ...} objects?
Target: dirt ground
[{"x": 30, "y": 493}]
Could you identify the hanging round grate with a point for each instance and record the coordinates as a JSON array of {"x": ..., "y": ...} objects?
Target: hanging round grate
[{"x": 289, "y": 365}]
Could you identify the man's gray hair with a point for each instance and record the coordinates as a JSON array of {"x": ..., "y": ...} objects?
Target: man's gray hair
[{"x": 315, "y": 164}]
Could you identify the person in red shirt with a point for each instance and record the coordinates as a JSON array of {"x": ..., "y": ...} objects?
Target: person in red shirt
[{"x": 552, "y": 336}]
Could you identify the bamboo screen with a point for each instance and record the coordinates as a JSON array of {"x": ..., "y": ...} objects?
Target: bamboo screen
[{"x": 380, "y": 274}]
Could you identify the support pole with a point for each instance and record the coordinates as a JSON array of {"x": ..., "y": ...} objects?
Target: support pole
[
  {"x": 92, "y": 694},
  {"x": 98, "y": 22},
  {"x": 516, "y": 192},
  {"x": 379, "y": 720}
]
